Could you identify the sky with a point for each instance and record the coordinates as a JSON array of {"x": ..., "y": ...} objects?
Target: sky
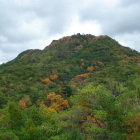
[{"x": 33, "y": 24}]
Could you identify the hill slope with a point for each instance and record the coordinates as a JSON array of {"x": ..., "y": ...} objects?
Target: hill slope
[
  {"x": 66, "y": 74},
  {"x": 68, "y": 57}
]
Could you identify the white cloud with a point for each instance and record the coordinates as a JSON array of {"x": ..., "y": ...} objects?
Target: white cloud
[{"x": 87, "y": 27}]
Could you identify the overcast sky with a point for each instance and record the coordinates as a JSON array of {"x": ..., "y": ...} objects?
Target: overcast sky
[{"x": 31, "y": 24}]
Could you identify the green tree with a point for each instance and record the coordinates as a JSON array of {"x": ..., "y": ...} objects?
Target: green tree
[{"x": 15, "y": 115}]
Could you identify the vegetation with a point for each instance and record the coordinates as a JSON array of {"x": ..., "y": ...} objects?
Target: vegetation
[{"x": 81, "y": 87}]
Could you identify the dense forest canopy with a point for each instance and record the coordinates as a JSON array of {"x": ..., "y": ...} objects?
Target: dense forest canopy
[{"x": 80, "y": 87}]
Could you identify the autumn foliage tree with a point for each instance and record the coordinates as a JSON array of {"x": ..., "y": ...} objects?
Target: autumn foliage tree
[
  {"x": 46, "y": 81},
  {"x": 53, "y": 77},
  {"x": 25, "y": 102},
  {"x": 91, "y": 68},
  {"x": 56, "y": 102}
]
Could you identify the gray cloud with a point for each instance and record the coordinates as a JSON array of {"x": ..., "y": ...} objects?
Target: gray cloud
[
  {"x": 123, "y": 21},
  {"x": 114, "y": 19},
  {"x": 120, "y": 21},
  {"x": 27, "y": 24},
  {"x": 129, "y": 40}
]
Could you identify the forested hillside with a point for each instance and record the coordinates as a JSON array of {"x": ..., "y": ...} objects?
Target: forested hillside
[{"x": 80, "y": 87}]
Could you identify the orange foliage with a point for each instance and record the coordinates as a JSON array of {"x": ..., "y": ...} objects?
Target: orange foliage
[
  {"x": 98, "y": 63},
  {"x": 81, "y": 77},
  {"x": 64, "y": 41},
  {"x": 134, "y": 124},
  {"x": 135, "y": 60},
  {"x": 2, "y": 89},
  {"x": 82, "y": 64},
  {"x": 22, "y": 104},
  {"x": 26, "y": 54},
  {"x": 79, "y": 47},
  {"x": 57, "y": 103},
  {"x": 11, "y": 85},
  {"x": 124, "y": 56}
]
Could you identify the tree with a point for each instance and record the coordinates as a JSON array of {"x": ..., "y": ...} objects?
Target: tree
[
  {"x": 90, "y": 68},
  {"x": 100, "y": 113},
  {"x": 56, "y": 102},
  {"x": 3, "y": 100},
  {"x": 25, "y": 102},
  {"x": 16, "y": 121},
  {"x": 46, "y": 81}
]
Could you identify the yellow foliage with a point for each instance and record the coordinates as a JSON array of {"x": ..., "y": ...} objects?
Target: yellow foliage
[
  {"x": 84, "y": 75},
  {"x": 124, "y": 61},
  {"x": 90, "y": 68},
  {"x": 89, "y": 118},
  {"x": 54, "y": 76},
  {"x": 100, "y": 64},
  {"x": 46, "y": 81},
  {"x": 97, "y": 67},
  {"x": 50, "y": 109},
  {"x": 95, "y": 122},
  {"x": 45, "y": 109},
  {"x": 53, "y": 97}
]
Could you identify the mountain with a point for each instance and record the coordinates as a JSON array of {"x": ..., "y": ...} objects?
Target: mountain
[{"x": 50, "y": 79}]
